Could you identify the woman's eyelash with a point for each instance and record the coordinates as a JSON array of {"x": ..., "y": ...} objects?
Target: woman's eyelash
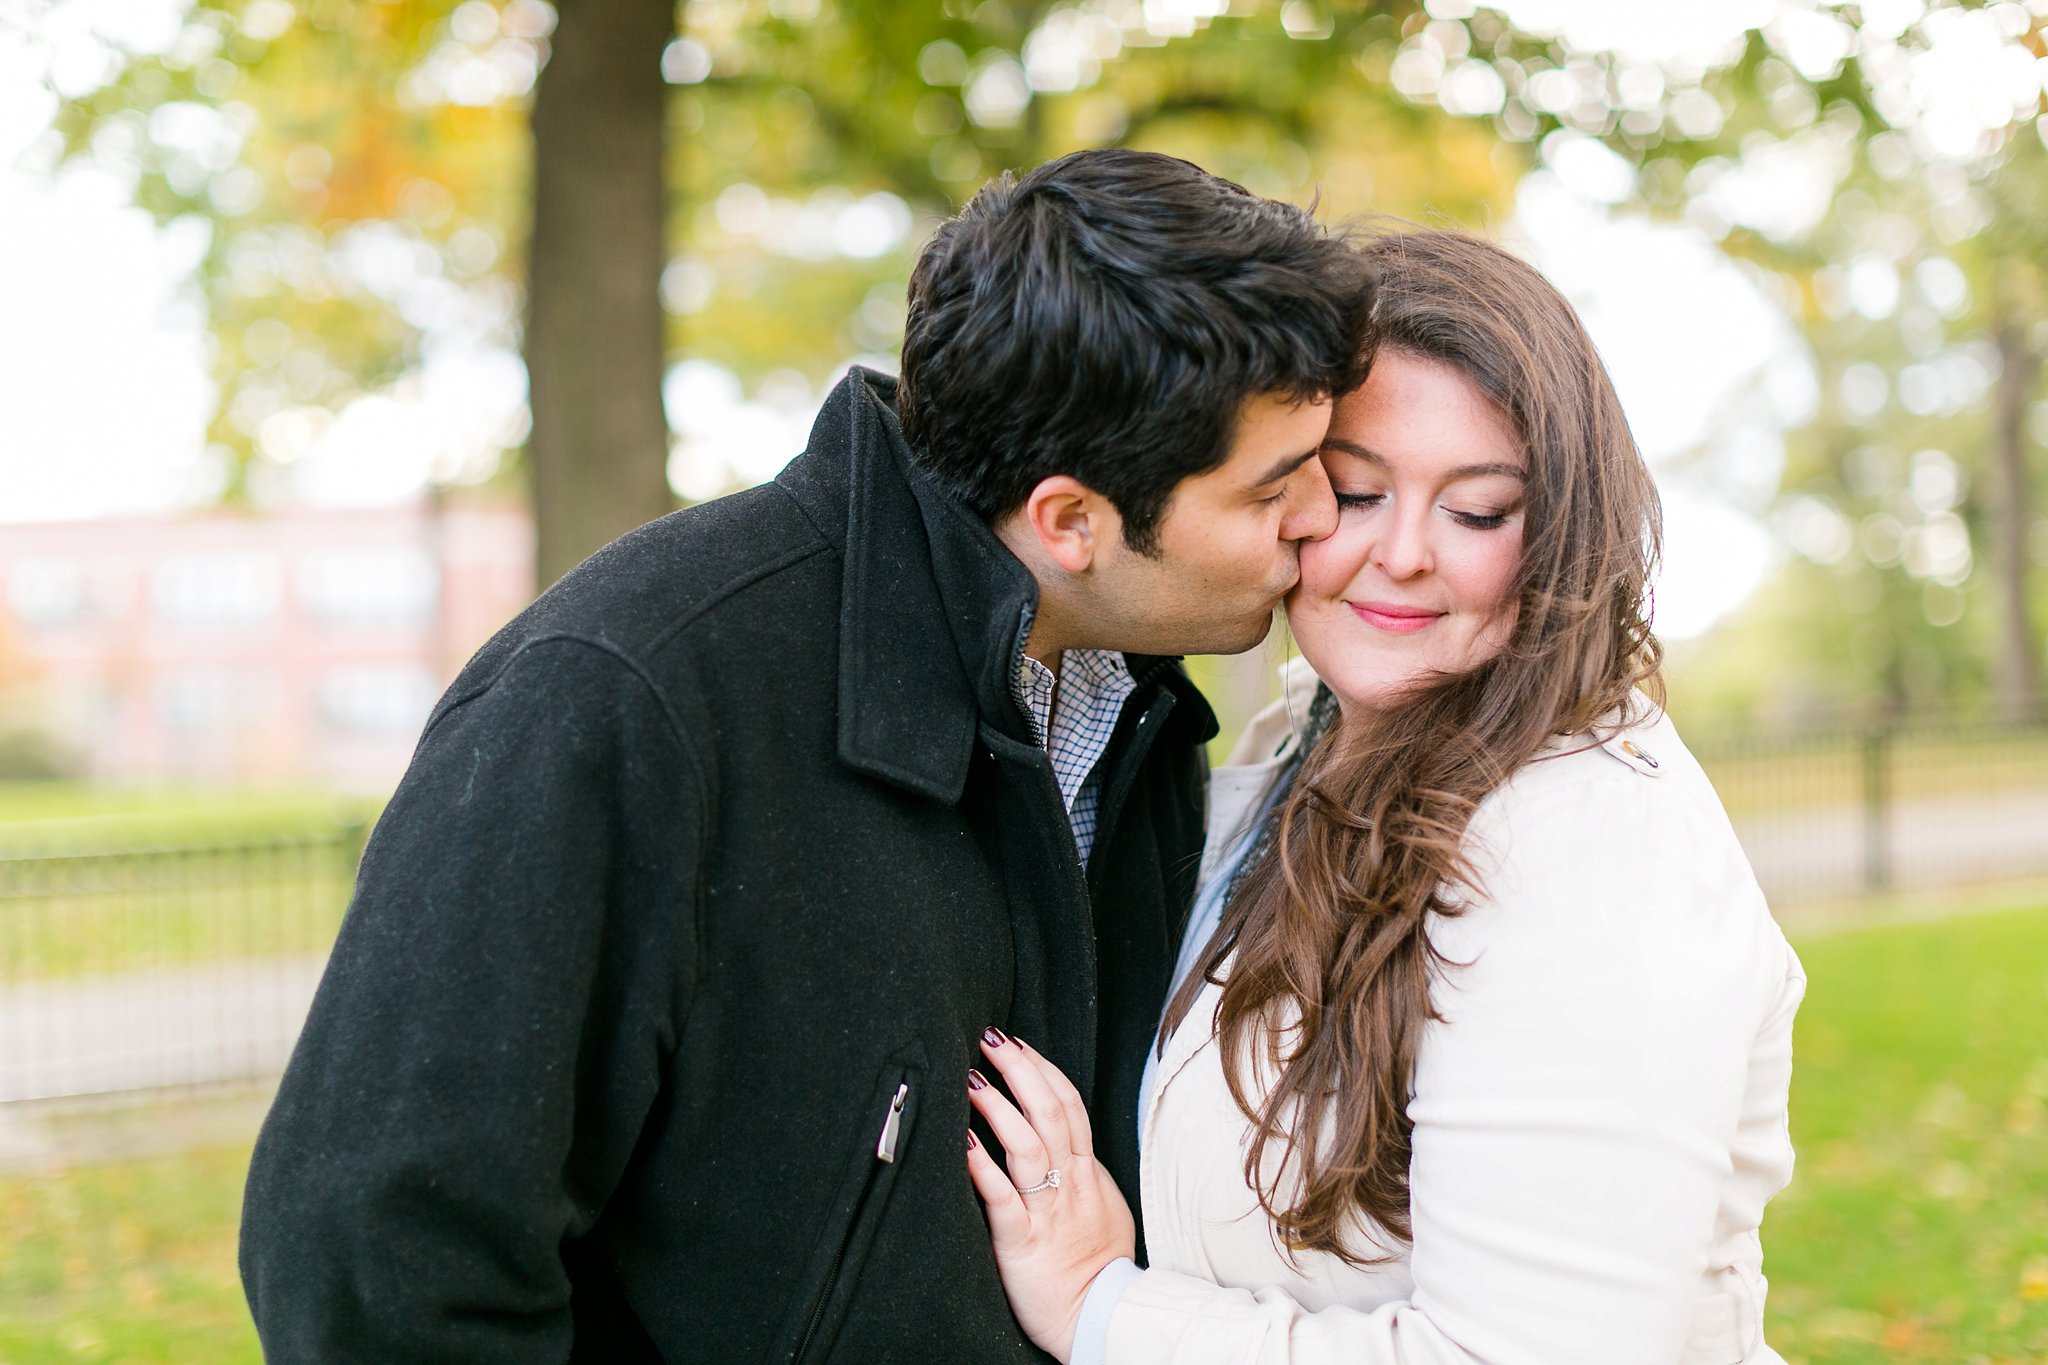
[{"x": 1477, "y": 521}]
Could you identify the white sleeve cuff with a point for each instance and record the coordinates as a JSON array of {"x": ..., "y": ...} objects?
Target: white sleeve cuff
[{"x": 1091, "y": 1330}]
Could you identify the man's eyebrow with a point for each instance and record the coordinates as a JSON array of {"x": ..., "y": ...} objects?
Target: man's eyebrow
[
  {"x": 1286, "y": 465},
  {"x": 1463, "y": 471}
]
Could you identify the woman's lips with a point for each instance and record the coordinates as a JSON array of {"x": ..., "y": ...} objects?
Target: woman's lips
[{"x": 1393, "y": 617}]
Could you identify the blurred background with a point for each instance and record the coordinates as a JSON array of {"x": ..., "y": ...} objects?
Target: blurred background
[{"x": 331, "y": 330}]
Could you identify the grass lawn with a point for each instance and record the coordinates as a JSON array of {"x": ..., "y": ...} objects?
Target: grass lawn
[
  {"x": 1916, "y": 1228},
  {"x": 55, "y": 817},
  {"x": 130, "y": 1261},
  {"x": 1915, "y": 1233}
]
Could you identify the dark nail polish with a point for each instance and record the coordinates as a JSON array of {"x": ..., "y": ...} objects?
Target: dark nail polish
[
  {"x": 994, "y": 1036},
  {"x": 972, "y": 1143},
  {"x": 975, "y": 1080}
]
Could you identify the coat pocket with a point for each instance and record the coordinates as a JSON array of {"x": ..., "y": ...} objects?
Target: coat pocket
[{"x": 880, "y": 1141}]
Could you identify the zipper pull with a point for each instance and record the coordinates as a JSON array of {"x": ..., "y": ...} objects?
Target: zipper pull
[{"x": 885, "y": 1150}]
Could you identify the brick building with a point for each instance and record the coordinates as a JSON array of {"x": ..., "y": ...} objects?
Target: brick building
[{"x": 277, "y": 647}]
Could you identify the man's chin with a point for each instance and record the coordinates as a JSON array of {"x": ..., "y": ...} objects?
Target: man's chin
[
  {"x": 1248, "y": 635},
  {"x": 1194, "y": 635}
]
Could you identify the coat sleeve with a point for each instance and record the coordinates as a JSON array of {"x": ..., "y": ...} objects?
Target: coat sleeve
[
  {"x": 488, "y": 1037},
  {"x": 1573, "y": 1112}
]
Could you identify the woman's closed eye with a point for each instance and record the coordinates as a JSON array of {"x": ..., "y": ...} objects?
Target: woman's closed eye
[
  {"x": 1479, "y": 521},
  {"x": 1475, "y": 521}
]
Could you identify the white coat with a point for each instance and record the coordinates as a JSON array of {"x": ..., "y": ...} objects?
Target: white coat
[{"x": 1599, "y": 1117}]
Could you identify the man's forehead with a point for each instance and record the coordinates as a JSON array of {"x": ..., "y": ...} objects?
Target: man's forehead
[{"x": 1276, "y": 434}]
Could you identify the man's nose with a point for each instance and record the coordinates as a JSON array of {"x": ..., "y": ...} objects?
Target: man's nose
[{"x": 1311, "y": 505}]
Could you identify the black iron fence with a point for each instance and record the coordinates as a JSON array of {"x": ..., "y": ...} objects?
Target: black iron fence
[
  {"x": 1893, "y": 808},
  {"x": 152, "y": 968},
  {"x": 145, "y": 968}
]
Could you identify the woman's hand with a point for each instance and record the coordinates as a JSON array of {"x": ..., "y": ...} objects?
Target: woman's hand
[{"x": 1050, "y": 1238}]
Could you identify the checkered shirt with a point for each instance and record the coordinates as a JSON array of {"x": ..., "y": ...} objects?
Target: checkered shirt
[{"x": 1092, "y": 687}]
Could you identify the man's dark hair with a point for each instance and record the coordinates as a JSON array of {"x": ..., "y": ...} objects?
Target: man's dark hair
[{"x": 1105, "y": 317}]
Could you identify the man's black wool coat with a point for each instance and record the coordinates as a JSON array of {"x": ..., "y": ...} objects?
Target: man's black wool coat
[{"x": 733, "y": 837}]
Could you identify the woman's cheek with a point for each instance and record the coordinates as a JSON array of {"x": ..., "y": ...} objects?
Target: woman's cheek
[
  {"x": 1495, "y": 568},
  {"x": 1328, "y": 565},
  {"x": 1490, "y": 588}
]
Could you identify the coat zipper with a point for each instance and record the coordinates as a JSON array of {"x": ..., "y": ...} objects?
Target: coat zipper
[
  {"x": 1118, "y": 789},
  {"x": 885, "y": 1151}
]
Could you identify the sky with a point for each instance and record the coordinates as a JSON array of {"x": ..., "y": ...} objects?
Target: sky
[{"x": 104, "y": 393}]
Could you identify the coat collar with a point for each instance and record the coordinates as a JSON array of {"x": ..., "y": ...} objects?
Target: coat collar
[{"x": 932, "y": 604}]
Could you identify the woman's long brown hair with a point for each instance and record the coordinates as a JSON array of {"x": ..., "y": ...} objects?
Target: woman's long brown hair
[{"x": 1326, "y": 938}]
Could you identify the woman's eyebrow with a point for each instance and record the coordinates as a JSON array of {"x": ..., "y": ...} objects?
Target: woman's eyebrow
[{"x": 1463, "y": 471}]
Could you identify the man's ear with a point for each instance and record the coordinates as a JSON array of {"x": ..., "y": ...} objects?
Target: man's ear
[{"x": 1072, "y": 524}]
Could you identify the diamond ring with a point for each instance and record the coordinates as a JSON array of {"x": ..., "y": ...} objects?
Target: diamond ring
[{"x": 1051, "y": 1182}]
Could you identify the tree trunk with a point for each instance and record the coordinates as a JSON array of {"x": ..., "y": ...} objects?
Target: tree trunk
[
  {"x": 2019, "y": 672},
  {"x": 598, "y": 454}
]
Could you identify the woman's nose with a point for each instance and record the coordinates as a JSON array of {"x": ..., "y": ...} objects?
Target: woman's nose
[{"x": 1402, "y": 549}]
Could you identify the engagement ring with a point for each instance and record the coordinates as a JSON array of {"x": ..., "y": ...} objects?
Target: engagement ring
[{"x": 1051, "y": 1182}]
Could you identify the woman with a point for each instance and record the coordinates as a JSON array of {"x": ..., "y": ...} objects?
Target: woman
[{"x": 1484, "y": 1048}]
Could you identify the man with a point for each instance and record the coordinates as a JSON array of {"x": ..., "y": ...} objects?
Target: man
[{"x": 647, "y": 1033}]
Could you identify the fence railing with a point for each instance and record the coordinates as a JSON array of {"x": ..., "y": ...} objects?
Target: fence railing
[
  {"x": 157, "y": 968},
  {"x": 1906, "y": 807}
]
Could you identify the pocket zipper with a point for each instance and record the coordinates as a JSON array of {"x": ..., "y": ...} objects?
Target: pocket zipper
[
  {"x": 885, "y": 1146},
  {"x": 885, "y": 1150}
]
